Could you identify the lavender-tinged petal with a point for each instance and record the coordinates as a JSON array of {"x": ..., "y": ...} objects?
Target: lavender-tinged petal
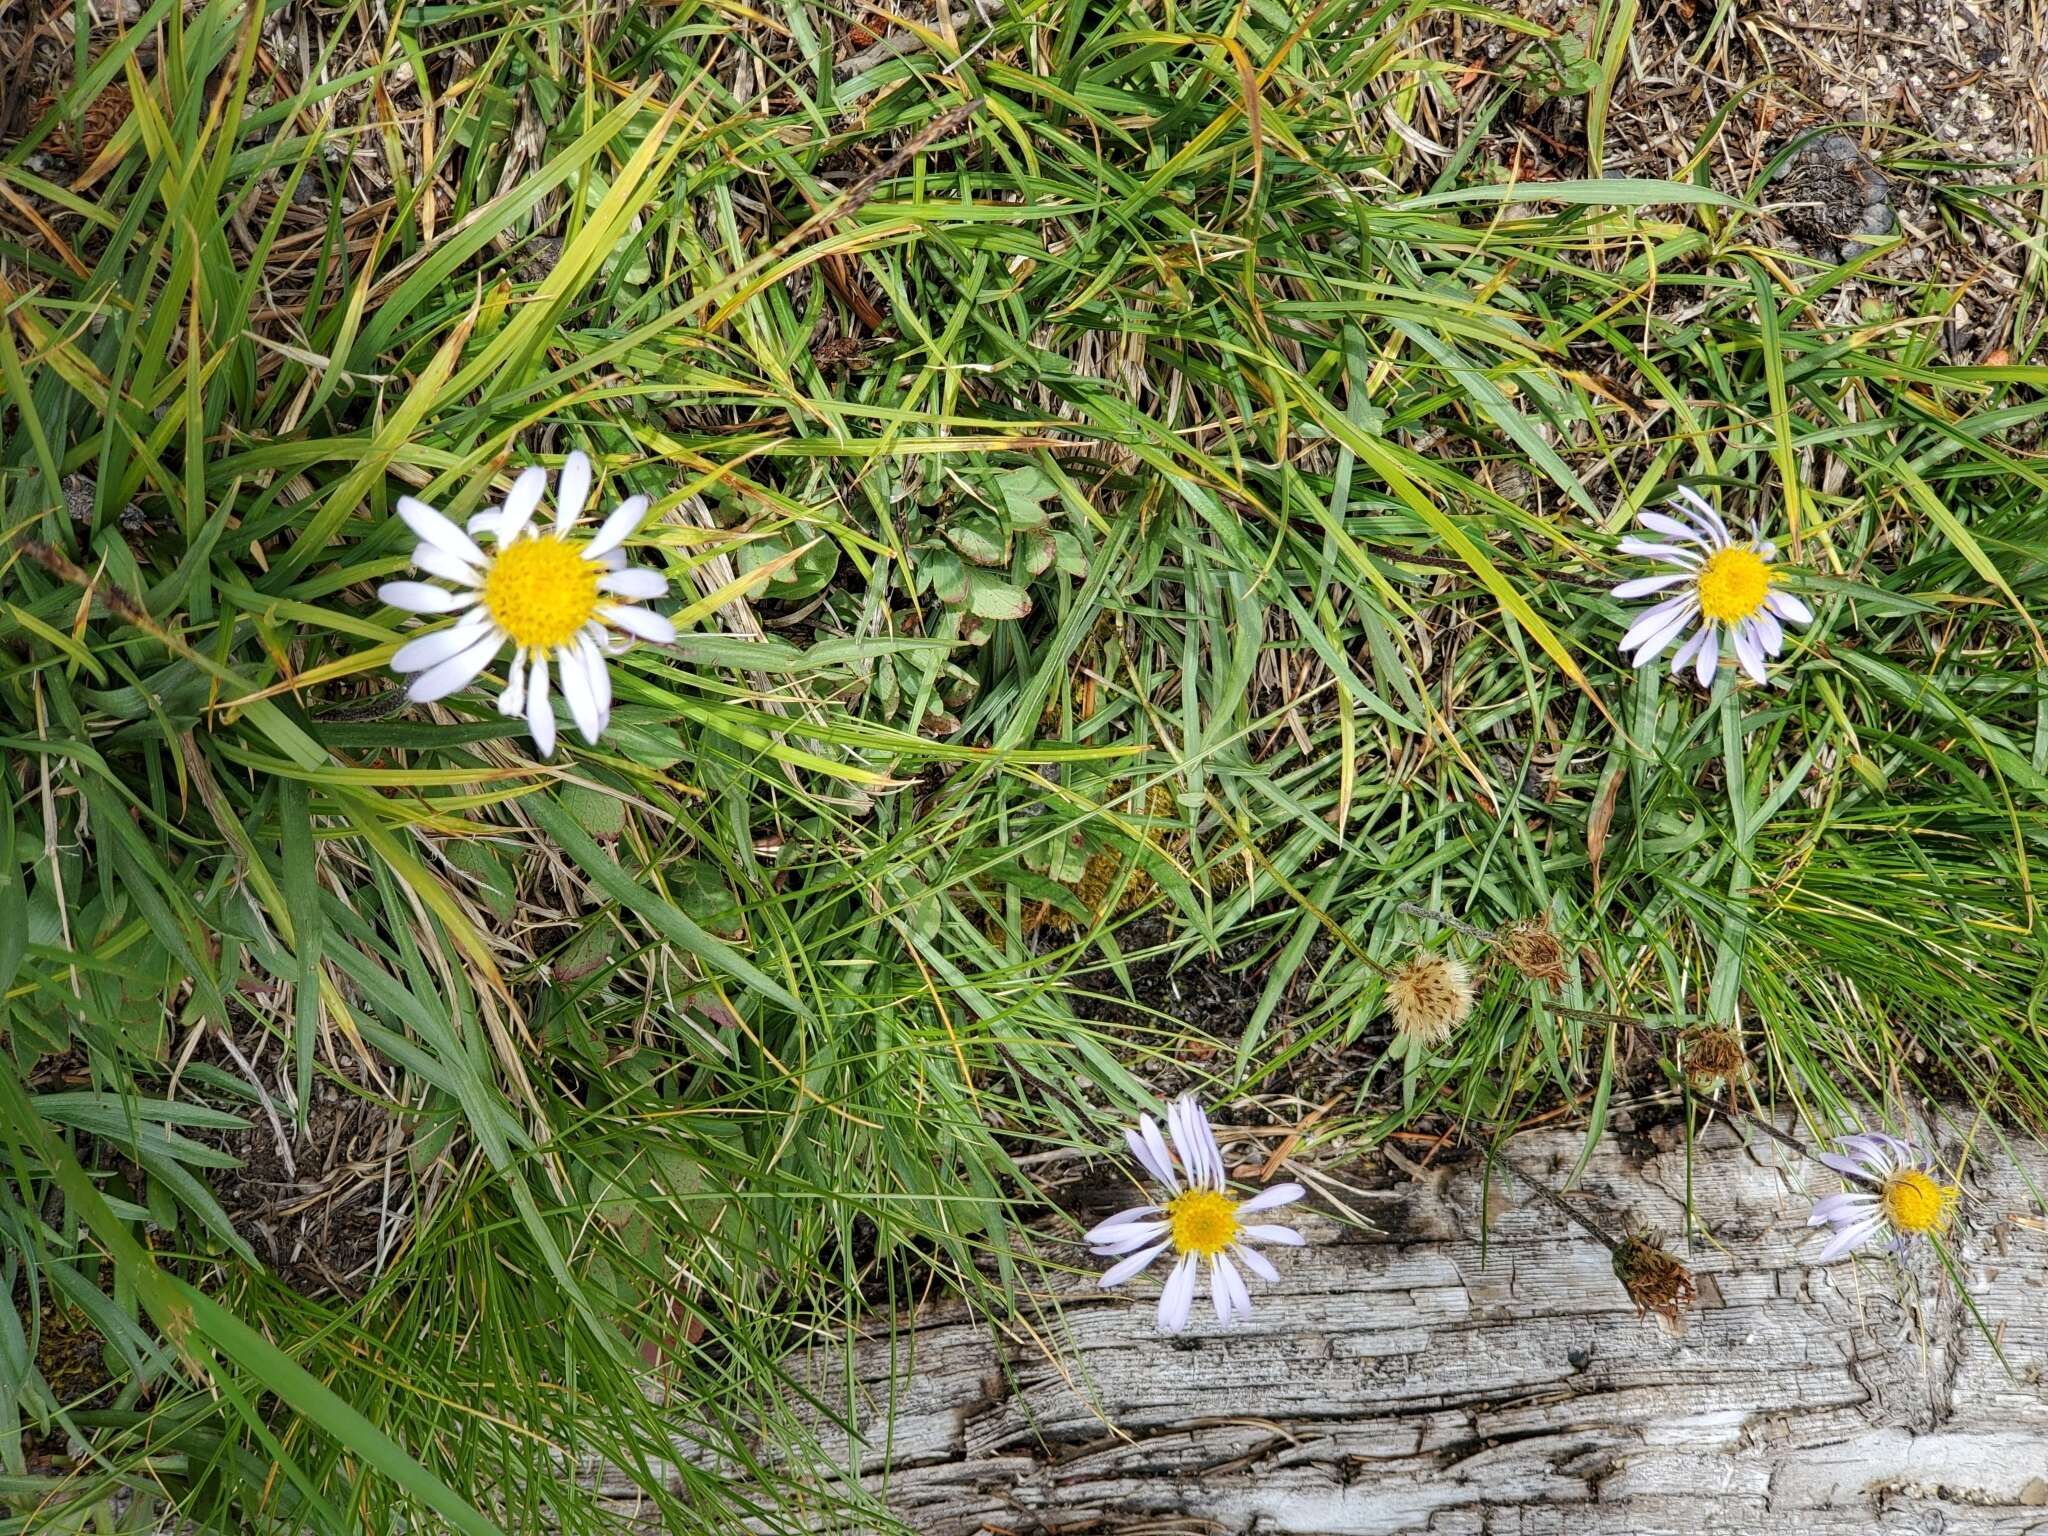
[
  {"x": 1789, "y": 608},
  {"x": 1286, "y": 1237},
  {"x": 1831, "y": 1208},
  {"x": 1178, "y": 1297},
  {"x": 1142, "y": 1150},
  {"x": 1643, "y": 586},
  {"x": 1649, "y": 549},
  {"x": 1770, "y": 633},
  {"x": 1123, "y": 1269},
  {"x": 1652, "y": 645},
  {"x": 1134, "y": 1216},
  {"x": 1124, "y": 1239},
  {"x": 1709, "y": 658},
  {"x": 1267, "y": 1199},
  {"x": 1848, "y": 1239},
  {"x": 1749, "y": 653},
  {"x": 1682, "y": 657},
  {"x": 1656, "y": 617},
  {"x": 1670, "y": 527},
  {"x": 1256, "y": 1262}
]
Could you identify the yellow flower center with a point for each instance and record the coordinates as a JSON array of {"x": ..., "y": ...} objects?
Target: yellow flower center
[
  {"x": 1202, "y": 1221},
  {"x": 541, "y": 591},
  {"x": 1915, "y": 1203},
  {"x": 1733, "y": 584}
]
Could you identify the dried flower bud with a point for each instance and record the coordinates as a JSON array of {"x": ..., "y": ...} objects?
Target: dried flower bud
[
  {"x": 1430, "y": 996},
  {"x": 1655, "y": 1281},
  {"x": 1531, "y": 948},
  {"x": 1712, "y": 1057}
]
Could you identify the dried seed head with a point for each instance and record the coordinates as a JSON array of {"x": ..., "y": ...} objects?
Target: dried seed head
[
  {"x": 1654, "y": 1280},
  {"x": 1713, "y": 1058},
  {"x": 1531, "y": 948},
  {"x": 1430, "y": 996}
]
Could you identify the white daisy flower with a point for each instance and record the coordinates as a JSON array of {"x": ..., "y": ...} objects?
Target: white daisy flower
[
  {"x": 1725, "y": 583},
  {"x": 1893, "y": 1196},
  {"x": 1198, "y": 1219},
  {"x": 548, "y": 595}
]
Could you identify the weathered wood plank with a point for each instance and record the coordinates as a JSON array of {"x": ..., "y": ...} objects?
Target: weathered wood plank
[{"x": 1416, "y": 1383}]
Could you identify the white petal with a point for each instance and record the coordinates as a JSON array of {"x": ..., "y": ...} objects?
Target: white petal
[
  {"x": 1749, "y": 652},
  {"x": 1669, "y": 554},
  {"x": 1686, "y": 652},
  {"x": 527, "y": 491},
  {"x": 1124, "y": 1239},
  {"x": 1832, "y": 1208},
  {"x": 1136, "y": 1216},
  {"x": 436, "y": 561},
  {"x": 1286, "y": 1237},
  {"x": 624, "y": 519},
  {"x": 1697, "y": 506},
  {"x": 572, "y": 671},
  {"x": 572, "y": 490},
  {"x": 1652, "y": 645},
  {"x": 642, "y": 622},
  {"x": 540, "y": 710},
  {"x": 1267, "y": 1199},
  {"x": 635, "y": 582},
  {"x": 1786, "y": 606},
  {"x": 1219, "y": 1290},
  {"x": 421, "y": 597},
  {"x": 512, "y": 702},
  {"x": 1240, "y": 1293},
  {"x": 1256, "y": 1262},
  {"x": 1185, "y": 1149},
  {"x": 1205, "y": 1142},
  {"x": 484, "y": 524},
  {"x": 1670, "y": 527},
  {"x": 1688, "y": 500},
  {"x": 600, "y": 676},
  {"x": 1656, "y": 618},
  {"x": 1769, "y": 632},
  {"x": 1710, "y": 654},
  {"x": 1123, "y": 1269},
  {"x": 457, "y": 672},
  {"x": 430, "y": 525},
  {"x": 1643, "y": 586},
  {"x": 1849, "y": 1238},
  {"x": 1149, "y": 1150},
  {"x": 1178, "y": 1297},
  {"x": 1191, "y": 1139},
  {"x": 431, "y": 650}
]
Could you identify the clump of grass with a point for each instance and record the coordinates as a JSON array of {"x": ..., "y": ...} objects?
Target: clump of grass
[{"x": 697, "y": 1046}]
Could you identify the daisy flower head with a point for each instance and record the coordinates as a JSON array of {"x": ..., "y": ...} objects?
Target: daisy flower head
[
  {"x": 1196, "y": 1217},
  {"x": 553, "y": 597},
  {"x": 1894, "y": 1196},
  {"x": 1723, "y": 584}
]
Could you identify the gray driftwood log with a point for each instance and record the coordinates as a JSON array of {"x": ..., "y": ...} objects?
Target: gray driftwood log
[{"x": 1416, "y": 1382}]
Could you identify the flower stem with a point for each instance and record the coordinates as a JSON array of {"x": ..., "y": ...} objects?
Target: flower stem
[{"x": 1456, "y": 925}]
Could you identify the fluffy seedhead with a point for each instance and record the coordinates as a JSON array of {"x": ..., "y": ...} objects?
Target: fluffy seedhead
[{"x": 1430, "y": 996}]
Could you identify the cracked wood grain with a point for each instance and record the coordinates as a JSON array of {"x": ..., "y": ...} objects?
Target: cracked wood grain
[{"x": 1414, "y": 1383}]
